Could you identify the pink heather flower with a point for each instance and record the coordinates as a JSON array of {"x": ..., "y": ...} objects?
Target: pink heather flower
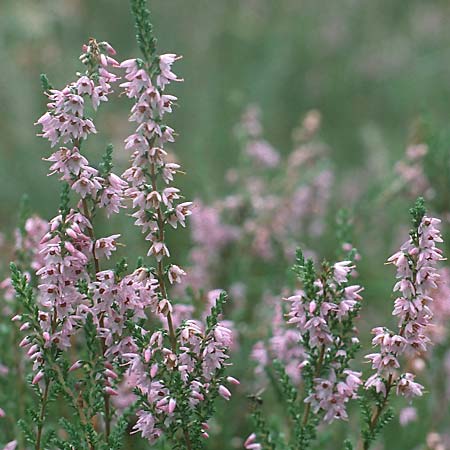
[
  {"x": 110, "y": 391},
  {"x": 165, "y": 65},
  {"x": 407, "y": 387},
  {"x": 147, "y": 427},
  {"x": 417, "y": 274},
  {"x": 10, "y": 445},
  {"x": 331, "y": 396},
  {"x": 251, "y": 444},
  {"x": 75, "y": 366},
  {"x": 105, "y": 246},
  {"x": 38, "y": 377},
  {"x": 171, "y": 407},
  {"x": 87, "y": 184},
  {"x": 159, "y": 250},
  {"x": 224, "y": 392},
  {"x": 175, "y": 274},
  {"x": 342, "y": 270}
]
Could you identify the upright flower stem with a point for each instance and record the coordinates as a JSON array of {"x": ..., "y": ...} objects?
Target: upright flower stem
[
  {"x": 75, "y": 403},
  {"x": 106, "y": 398},
  {"x": 162, "y": 286},
  {"x": 42, "y": 414},
  {"x": 362, "y": 444},
  {"x": 160, "y": 267}
]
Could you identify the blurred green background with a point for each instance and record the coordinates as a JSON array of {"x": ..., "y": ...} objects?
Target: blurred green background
[{"x": 371, "y": 67}]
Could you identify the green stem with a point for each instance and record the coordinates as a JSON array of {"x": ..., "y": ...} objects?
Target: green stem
[{"x": 42, "y": 415}]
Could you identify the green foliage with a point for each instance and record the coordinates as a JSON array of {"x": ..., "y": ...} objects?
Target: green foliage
[
  {"x": 216, "y": 311},
  {"x": 144, "y": 29},
  {"x": 262, "y": 431},
  {"x": 106, "y": 164},
  {"x": 304, "y": 269},
  {"x": 121, "y": 268},
  {"x": 24, "y": 291},
  {"x": 45, "y": 83},
  {"x": 348, "y": 445},
  {"x": 289, "y": 392},
  {"x": 417, "y": 212},
  {"x": 64, "y": 202},
  {"x": 370, "y": 428}
]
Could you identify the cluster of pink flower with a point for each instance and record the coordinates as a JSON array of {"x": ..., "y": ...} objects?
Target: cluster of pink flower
[
  {"x": 28, "y": 248},
  {"x": 417, "y": 274},
  {"x": 69, "y": 247},
  {"x": 199, "y": 353},
  {"x": 155, "y": 207},
  {"x": 73, "y": 290},
  {"x": 283, "y": 345},
  {"x": 319, "y": 321},
  {"x": 319, "y": 341},
  {"x": 66, "y": 121}
]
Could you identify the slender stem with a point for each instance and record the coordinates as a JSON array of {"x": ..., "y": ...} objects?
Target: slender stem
[
  {"x": 187, "y": 439},
  {"x": 160, "y": 267},
  {"x": 19, "y": 384},
  {"x": 106, "y": 398},
  {"x": 75, "y": 402},
  {"x": 87, "y": 214},
  {"x": 42, "y": 415},
  {"x": 362, "y": 444}
]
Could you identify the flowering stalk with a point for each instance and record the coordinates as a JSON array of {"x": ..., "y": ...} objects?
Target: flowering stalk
[
  {"x": 417, "y": 278},
  {"x": 175, "y": 384},
  {"x": 323, "y": 313},
  {"x": 62, "y": 308}
]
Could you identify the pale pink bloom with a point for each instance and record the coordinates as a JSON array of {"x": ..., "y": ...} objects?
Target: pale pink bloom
[
  {"x": 342, "y": 270},
  {"x": 159, "y": 250},
  {"x": 407, "y": 415},
  {"x": 175, "y": 274},
  {"x": 165, "y": 65},
  {"x": 382, "y": 362},
  {"x": 147, "y": 427},
  {"x": 251, "y": 444},
  {"x": 407, "y": 387},
  {"x": 169, "y": 195},
  {"x": 10, "y": 445},
  {"x": 105, "y": 246},
  {"x": 224, "y": 392},
  {"x": 376, "y": 382},
  {"x": 38, "y": 377}
]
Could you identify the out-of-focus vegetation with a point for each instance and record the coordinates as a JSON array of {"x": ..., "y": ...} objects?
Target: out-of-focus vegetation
[{"x": 370, "y": 67}]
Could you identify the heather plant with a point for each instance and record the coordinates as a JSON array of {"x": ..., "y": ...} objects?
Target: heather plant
[
  {"x": 89, "y": 328},
  {"x": 316, "y": 382}
]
